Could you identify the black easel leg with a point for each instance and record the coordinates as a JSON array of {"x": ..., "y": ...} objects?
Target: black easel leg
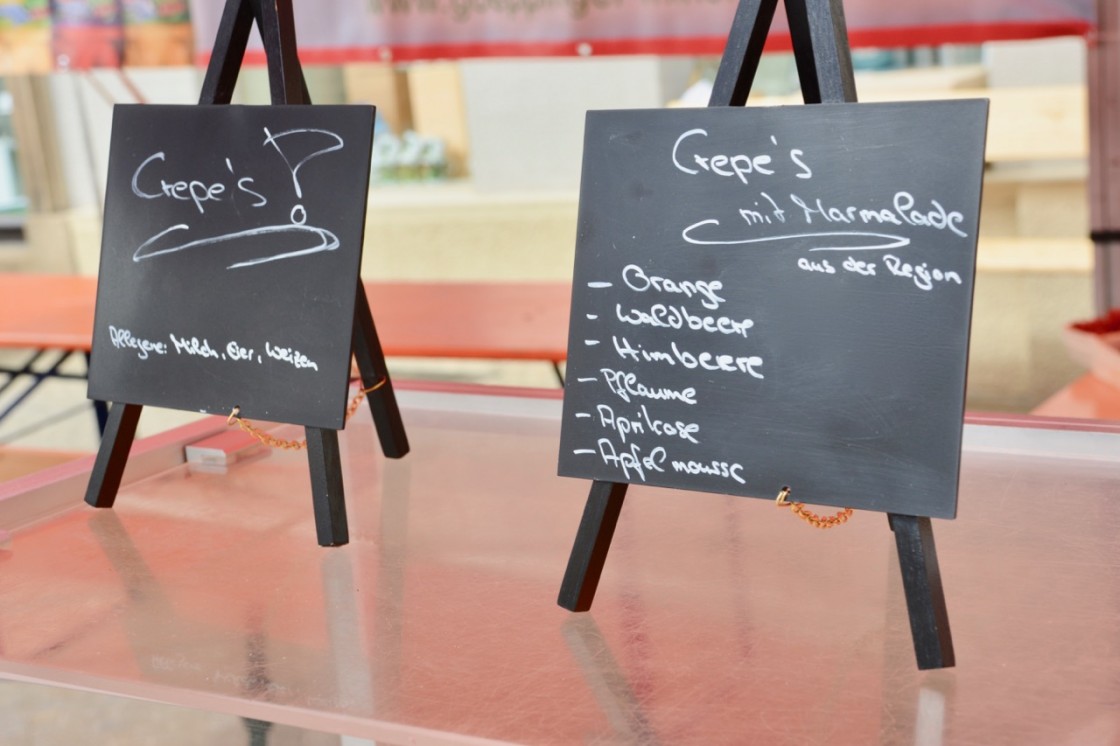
[
  {"x": 819, "y": 35},
  {"x": 228, "y": 52},
  {"x": 277, "y": 26},
  {"x": 100, "y": 408},
  {"x": 742, "y": 53},
  {"x": 112, "y": 456},
  {"x": 258, "y": 731},
  {"x": 593, "y": 541},
  {"x": 326, "y": 487},
  {"x": 925, "y": 598},
  {"x": 371, "y": 365},
  {"x": 101, "y": 411}
]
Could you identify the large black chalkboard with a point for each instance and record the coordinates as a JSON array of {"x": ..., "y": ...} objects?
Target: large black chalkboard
[
  {"x": 776, "y": 296},
  {"x": 230, "y": 257}
]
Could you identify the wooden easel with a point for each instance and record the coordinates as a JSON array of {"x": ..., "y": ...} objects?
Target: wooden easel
[
  {"x": 824, "y": 66},
  {"x": 277, "y": 28}
]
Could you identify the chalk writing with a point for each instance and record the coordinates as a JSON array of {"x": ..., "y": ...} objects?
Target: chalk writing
[
  {"x": 922, "y": 275},
  {"x": 193, "y": 346},
  {"x": 902, "y": 209},
  {"x": 288, "y": 355},
  {"x": 714, "y": 468},
  {"x": 859, "y": 266},
  {"x": 742, "y": 166},
  {"x": 274, "y": 141},
  {"x": 821, "y": 265},
  {"x": 625, "y": 385},
  {"x": 901, "y": 212},
  {"x": 856, "y": 240},
  {"x": 194, "y": 190},
  {"x": 122, "y": 338},
  {"x": 741, "y": 290},
  {"x": 234, "y": 351},
  {"x": 679, "y": 317},
  {"x": 327, "y": 242},
  {"x": 632, "y": 462},
  {"x": 691, "y": 360},
  {"x": 637, "y": 279},
  {"x": 200, "y": 192},
  {"x": 643, "y": 422}
]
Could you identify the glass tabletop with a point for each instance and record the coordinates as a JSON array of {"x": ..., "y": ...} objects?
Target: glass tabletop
[
  {"x": 43, "y": 715},
  {"x": 718, "y": 620}
]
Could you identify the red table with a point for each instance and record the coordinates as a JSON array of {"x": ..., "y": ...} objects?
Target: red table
[
  {"x": 521, "y": 321},
  {"x": 517, "y": 321},
  {"x": 719, "y": 620}
]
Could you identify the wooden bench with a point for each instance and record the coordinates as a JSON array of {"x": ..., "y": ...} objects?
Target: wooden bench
[{"x": 52, "y": 316}]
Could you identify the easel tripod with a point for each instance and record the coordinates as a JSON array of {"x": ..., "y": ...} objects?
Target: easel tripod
[
  {"x": 277, "y": 28},
  {"x": 824, "y": 66}
]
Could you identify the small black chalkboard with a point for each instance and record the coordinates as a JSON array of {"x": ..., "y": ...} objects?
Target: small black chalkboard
[
  {"x": 230, "y": 259},
  {"x": 778, "y": 296}
]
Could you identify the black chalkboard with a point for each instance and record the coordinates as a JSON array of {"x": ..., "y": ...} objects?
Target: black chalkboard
[
  {"x": 777, "y": 296},
  {"x": 230, "y": 258}
]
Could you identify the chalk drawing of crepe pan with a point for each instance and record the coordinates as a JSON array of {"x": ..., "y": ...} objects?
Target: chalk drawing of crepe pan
[
  {"x": 326, "y": 241},
  {"x": 309, "y": 239}
]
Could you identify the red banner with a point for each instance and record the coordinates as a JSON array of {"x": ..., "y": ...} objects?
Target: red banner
[
  {"x": 345, "y": 30},
  {"x": 86, "y": 33},
  {"x": 157, "y": 32},
  {"x": 25, "y": 37},
  {"x": 107, "y": 33}
]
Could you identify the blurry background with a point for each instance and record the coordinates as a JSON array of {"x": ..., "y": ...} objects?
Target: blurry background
[
  {"x": 476, "y": 177},
  {"x": 478, "y": 150}
]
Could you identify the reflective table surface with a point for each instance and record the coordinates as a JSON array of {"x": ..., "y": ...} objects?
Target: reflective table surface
[
  {"x": 718, "y": 620},
  {"x": 44, "y": 715}
]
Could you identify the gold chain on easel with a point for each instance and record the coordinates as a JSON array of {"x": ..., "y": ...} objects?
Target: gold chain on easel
[
  {"x": 295, "y": 445},
  {"x": 820, "y": 521}
]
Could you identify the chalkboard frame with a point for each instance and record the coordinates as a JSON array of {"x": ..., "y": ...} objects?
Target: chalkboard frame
[
  {"x": 277, "y": 28},
  {"x": 230, "y": 260},
  {"x": 738, "y": 332},
  {"x": 824, "y": 66}
]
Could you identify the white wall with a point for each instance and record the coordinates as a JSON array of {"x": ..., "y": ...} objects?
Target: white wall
[
  {"x": 525, "y": 117},
  {"x": 1039, "y": 62}
]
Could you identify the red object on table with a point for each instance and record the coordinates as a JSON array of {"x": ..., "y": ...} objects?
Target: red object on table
[
  {"x": 1087, "y": 397},
  {"x": 498, "y": 320},
  {"x": 1110, "y": 322},
  {"x": 46, "y": 311}
]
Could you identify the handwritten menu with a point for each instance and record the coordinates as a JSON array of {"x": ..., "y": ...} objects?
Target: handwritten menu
[
  {"x": 229, "y": 259},
  {"x": 770, "y": 297}
]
